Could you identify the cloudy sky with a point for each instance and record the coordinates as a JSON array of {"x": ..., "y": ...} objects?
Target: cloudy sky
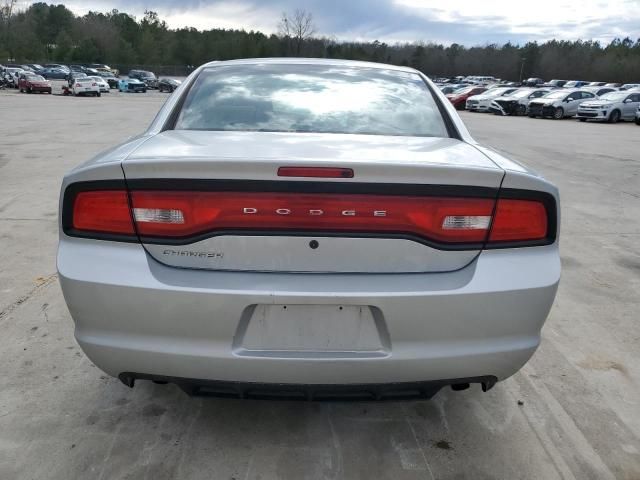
[{"x": 469, "y": 22}]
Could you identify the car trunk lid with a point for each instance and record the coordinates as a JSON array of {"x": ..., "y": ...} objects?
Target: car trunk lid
[{"x": 252, "y": 218}]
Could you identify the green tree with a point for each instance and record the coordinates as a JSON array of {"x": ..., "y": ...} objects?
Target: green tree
[
  {"x": 44, "y": 32},
  {"x": 62, "y": 47}
]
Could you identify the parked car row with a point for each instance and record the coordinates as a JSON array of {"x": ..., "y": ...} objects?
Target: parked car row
[
  {"x": 516, "y": 102},
  {"x": 87, "y": 79},
  {"x": 559, "y": 103},
  {"x": 487, "y": 81},
  {"x": 599, "y": 103}
]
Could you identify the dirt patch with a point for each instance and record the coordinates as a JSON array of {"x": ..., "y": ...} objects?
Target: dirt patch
[
  {"x": 569, "y": 262},
  {"x": 632, "y": 264},
  {"x": 603, "y": 365},
  {"x": 153, "y": 410},
  {"x": 443, "y": 445},
  {"x": 40, "y": 283}
]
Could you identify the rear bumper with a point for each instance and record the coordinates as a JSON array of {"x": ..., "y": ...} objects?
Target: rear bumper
[
  {"x": 288, "y": 391},
  {"x": 91, "y": 91},
  {"x": 133, "y": 314}
]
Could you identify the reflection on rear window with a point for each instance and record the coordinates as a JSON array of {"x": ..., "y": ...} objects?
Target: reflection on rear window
[{"x": 311, "y": 98}]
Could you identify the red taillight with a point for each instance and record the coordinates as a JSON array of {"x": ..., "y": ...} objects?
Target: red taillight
[
  {"x": 518, "y": 221},
  {"x": 444, "y": 220},
  {"x": 183, "y": 214},
  {"x": 104, "y": 211},
  {"x": 317, "y": 172}
]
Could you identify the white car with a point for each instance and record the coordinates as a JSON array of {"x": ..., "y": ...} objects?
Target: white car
[
  {"x": 85, "y": 86},
  {"x": 611, "y": 107},
  {"x": 516, "y": 103},
  {"x": 102, "y": 84},
  {"x": 482, "y": 102},
  {"x": 630, "y": 86},
  {"x": 560, "y": 103}
]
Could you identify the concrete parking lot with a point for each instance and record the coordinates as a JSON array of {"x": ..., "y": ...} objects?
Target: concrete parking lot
[{"x": 572, "y": 413}]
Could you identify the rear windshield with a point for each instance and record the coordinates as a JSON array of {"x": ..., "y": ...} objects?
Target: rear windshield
[{"x": 311, "y": 98}]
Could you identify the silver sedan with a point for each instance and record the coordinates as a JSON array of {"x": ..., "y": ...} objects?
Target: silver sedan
[{"x": 308, "y": 229}]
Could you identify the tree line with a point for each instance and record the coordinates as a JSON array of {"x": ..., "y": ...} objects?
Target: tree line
[{"x": 52, "y": 33}]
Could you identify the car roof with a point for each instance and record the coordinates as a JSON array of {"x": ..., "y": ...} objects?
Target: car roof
[{"x": 309, "y": 61}]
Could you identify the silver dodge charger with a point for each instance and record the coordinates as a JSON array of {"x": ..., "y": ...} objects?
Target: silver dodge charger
[{"x": 312, "y": 229}]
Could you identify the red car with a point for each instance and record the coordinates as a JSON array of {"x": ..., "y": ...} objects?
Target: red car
[
  {"x": 459, "y": 98},
  {"x": 34, "y": 83}
]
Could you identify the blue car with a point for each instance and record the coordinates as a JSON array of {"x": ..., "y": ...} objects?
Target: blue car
[
  {"x": 575, "y": 84},
  {"x": 54, "y": 73},
  {"x": 131, "y": 85}
]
